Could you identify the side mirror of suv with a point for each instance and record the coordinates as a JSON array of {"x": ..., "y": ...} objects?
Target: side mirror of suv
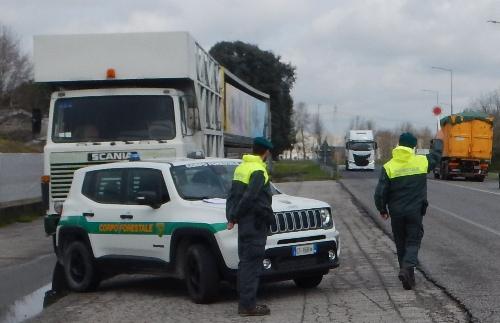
[{"x": 150, "y": 198}]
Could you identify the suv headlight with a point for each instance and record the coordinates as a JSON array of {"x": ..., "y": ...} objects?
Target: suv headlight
[{"x": 327, "y": 219}]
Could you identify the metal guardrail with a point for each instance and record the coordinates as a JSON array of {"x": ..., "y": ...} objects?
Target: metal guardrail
[{"x": 20, "y": 179}]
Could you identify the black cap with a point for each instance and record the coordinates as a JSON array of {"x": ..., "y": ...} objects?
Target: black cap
[
  {"x": 408, "y": 140},
  {"x": 263, "y": 142}
]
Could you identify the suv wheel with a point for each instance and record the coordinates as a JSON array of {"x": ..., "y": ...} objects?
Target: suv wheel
[
  {"x": 308, "y": 281},
  {"x": 79, "y": 269},
  {"x": 201, "y": 274}
]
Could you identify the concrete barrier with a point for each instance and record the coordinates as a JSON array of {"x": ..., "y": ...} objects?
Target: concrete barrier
[{"x": 20, "y": 179}]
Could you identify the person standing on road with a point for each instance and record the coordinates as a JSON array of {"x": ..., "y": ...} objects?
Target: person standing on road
[
  {"x": 249, "y": 205},
  {"x": 401, "y": 194}
]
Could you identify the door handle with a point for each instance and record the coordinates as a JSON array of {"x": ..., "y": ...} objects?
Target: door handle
[
  {"x": 126, "y": 216},
  {"x": 88, "y": 214}
]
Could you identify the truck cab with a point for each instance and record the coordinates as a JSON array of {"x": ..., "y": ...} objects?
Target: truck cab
[{"x": 360, "y": 150}]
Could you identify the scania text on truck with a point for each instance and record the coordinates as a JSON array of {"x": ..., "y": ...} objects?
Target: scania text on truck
[
  {"x": 158, "y": 94},
  {"x": 468, "y": 142},
  {"x": 360, "y": 150}
]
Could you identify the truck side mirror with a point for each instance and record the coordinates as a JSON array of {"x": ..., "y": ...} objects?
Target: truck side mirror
[
  {"x": 376, "y": 145},
  {"x": 36, "y": 121},
  {"x": 150, "y": 198}
]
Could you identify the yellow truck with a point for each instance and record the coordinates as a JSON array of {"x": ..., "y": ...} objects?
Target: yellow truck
[{"x": 468, "y": 142}]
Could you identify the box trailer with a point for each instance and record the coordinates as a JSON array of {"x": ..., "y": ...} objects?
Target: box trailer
[{"x": 155, "y": 94}]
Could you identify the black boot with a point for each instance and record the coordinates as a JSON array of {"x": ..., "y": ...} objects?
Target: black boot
[
  {"x": 411, "y": 272},
  {"x": 404, "y": 277},
  {"x": 258, "y": 310}
]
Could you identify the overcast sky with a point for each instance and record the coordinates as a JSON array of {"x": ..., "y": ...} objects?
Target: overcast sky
[{"x": 369, "y": 57}]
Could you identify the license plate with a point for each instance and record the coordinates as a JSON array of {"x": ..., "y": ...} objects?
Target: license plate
[{"x": 307, "y": 249}]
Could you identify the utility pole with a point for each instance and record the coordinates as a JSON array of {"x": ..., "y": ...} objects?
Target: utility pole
[{"x": 451, "y": 83}]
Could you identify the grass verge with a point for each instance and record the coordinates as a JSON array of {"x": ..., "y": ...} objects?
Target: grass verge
[
  {"x": 25, "y": 218},
  {"x": 10, "y": 146},
  {"x": 298, "y": 170}
]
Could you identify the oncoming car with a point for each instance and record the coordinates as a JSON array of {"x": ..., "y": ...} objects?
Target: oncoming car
[{"x": 168, "y": 217}]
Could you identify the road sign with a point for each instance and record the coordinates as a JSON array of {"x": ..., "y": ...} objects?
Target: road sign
[{"x": 437, "y": 110}]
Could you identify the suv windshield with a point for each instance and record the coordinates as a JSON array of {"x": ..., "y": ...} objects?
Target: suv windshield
[
  {"x": 361, "y": 146},
  {"x": 206, "y": 180},
  {"x": 111, "y": 118}
]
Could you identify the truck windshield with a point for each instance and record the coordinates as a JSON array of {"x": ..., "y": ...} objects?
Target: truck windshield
[
  {"x": 360, "y": 146},
  {"x": 113, "y": 118},
  {"x": 206, "y": 180}
]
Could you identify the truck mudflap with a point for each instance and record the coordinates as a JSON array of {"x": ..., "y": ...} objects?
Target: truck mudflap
[{"x": 50, "y": 222}]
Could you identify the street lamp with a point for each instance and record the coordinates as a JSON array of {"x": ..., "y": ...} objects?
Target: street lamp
[
  {"x": 451, "y": 83},
  {"x": 433, "y": 91}
]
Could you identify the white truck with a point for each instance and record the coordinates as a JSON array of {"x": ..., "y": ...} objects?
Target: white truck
[
  {"x": 361, "y": 149},
  {"x": 168, "y": 217},
  {"x": 157, "y": 94}
]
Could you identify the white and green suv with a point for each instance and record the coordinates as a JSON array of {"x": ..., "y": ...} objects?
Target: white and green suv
[{"x": 168, "y": 217}]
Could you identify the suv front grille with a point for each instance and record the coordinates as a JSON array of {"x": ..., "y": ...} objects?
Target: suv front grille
[
  {"x": 61, "y": 176},
  {"x": 296, "y": 221}
]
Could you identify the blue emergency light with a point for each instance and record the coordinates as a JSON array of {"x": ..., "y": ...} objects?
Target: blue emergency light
[{"x": 134, "y": 156}]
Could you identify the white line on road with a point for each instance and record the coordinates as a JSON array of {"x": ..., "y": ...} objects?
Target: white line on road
[
  {"x": 478, "y": 225},
  {"x": 469, "y": 188}
]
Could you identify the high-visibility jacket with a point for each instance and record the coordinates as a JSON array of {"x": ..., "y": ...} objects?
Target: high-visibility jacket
[
  {"x": 250, "y": 193},
  {"x": 402, "y": 186}
]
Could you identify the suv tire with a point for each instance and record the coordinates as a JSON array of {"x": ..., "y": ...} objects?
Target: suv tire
[
  {"x": 79, "y": 268},
  {"x": 308, "y": 282},
  {"x": 201, "y": 274}
]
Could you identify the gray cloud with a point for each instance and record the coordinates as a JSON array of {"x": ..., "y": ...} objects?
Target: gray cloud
[{"x": 368, "y": 57}]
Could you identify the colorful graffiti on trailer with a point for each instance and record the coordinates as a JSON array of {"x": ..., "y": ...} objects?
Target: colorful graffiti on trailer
[{"x": 245, "y": 115}]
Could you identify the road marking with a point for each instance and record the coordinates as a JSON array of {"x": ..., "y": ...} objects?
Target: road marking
[
  {"x": 469, "y": 188},
  {"x": 478, "y": 225}
]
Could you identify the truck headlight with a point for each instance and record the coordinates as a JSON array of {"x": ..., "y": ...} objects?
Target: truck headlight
[{"x": 326, "y": 217}]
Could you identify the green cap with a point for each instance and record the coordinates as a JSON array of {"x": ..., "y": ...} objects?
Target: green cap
[
  {"x": 408, "y": 140},
  {"x": 263, "y": 142}
]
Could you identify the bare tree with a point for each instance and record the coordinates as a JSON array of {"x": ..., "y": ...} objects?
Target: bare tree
[
  {"x": 15, "y": 66},
  {"x": 318, "y": 129},
  {"x": 301, "y": 121},
  {"x": 360, "y": 123}
]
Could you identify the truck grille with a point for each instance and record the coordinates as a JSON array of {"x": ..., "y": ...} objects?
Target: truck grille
[
  {"x": 361, "y": 160},
  {"x": 61, "y": 176},
  {"x": 296, "y": 221}
]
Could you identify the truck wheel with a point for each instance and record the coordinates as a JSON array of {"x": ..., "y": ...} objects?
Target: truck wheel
[
  {"x": 79, "y": 268},
  {"x": 201, "y": 274},
  {"x": 308, "y": 281},
  {"x": 479, "y": 179}
]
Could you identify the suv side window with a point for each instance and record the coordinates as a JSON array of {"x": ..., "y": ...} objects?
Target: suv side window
[
  {"x": 104, "y": 186},
  {"x": 145, "y": 179}
]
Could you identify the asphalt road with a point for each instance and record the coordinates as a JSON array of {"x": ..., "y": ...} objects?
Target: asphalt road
[
  {"x": 364, "y": 288},
  {"x": 26, "y": 263},
  {"x": 461, "y": 245}
]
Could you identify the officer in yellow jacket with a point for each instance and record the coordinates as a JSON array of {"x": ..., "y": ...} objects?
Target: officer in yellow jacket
[
  {"x": 249, "y": 205},
  {"x": 402, "y": 193}
]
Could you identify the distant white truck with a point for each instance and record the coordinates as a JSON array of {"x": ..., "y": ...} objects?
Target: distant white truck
[
  {"x": 156, "y": 94},
  {"x": 361, "y": 149}
]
